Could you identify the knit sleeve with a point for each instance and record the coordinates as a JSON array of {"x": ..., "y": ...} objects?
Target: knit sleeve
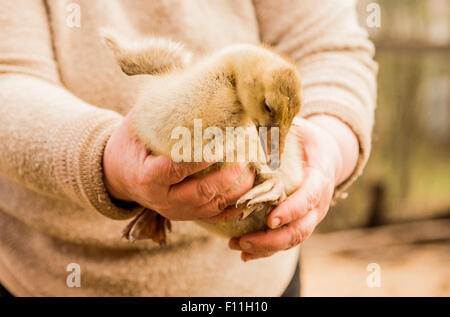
[
  {"x": 335, "y": 60},
  {"x": 50, "y": 141}
]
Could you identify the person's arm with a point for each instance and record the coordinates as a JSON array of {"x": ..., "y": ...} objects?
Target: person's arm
[
  {"x": 338, "y": 74},
  {"x": 50, "y": 141},
  {"x": 58, "y": 145}
]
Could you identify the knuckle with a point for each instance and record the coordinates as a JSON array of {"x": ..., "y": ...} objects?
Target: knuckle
[
  {"x": 311, "y": 199},
  {"x": 176, "y": 172},
  {"x": 296, "y": 237},
  {"x": 221, "y": 203},
  {"x": 306, "y": 233},
  {"x": 217, "y": 206},
  {"x": 205, "y": 191}
]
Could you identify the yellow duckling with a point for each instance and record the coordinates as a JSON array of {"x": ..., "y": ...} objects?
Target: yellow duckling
[{"x": 241, "y": 85}]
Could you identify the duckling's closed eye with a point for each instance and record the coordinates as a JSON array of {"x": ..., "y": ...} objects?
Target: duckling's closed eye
[{"x": 267, "y": 107}]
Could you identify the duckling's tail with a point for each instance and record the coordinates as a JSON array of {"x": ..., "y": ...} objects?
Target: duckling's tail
[{"x": 150, "y": 55}]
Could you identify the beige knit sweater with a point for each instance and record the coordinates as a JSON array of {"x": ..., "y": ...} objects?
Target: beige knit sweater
[{"x": 61, "y": 96}]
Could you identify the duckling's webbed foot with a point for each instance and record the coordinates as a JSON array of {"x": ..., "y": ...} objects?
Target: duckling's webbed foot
[
  {"x": 270, "y": 192},
  {"x": 147, "y": 225}
]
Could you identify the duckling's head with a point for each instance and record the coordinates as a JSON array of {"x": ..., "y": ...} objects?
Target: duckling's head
[{"x": 269, "y": 89}]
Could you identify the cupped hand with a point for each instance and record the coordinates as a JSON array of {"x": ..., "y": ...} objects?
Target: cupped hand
[
  {"x": 330, "y": 155},
  {"x": 157, "y": 183}
]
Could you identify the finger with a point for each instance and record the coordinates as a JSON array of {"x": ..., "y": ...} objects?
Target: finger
[
  {"x": 200, "y": 191},
  {"x": 307, "y": 197},
  {"x": 245, "y": 256},
  {"x": 233, "y": 244},
  {"x": 216, "y": 210},
  {"x": 249, "y": 256},
  {"x": 228, "y": 214},
  {"x": 165, "y": 171},
  {"x": 283, "y": 238}
]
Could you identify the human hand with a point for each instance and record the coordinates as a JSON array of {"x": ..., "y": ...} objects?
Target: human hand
[
  {"x": 330, "y": 154},
  {"x": 157, "y": 183}
]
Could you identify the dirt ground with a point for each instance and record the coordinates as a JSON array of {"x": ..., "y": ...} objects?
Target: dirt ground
[{"x": 411, "y": 259}]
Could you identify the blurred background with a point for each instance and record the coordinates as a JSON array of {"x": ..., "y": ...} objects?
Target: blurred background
[{"x": 398, "y": 213}]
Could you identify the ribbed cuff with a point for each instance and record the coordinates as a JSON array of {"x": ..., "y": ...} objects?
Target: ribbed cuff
[{"x": 80, "y": 164}]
